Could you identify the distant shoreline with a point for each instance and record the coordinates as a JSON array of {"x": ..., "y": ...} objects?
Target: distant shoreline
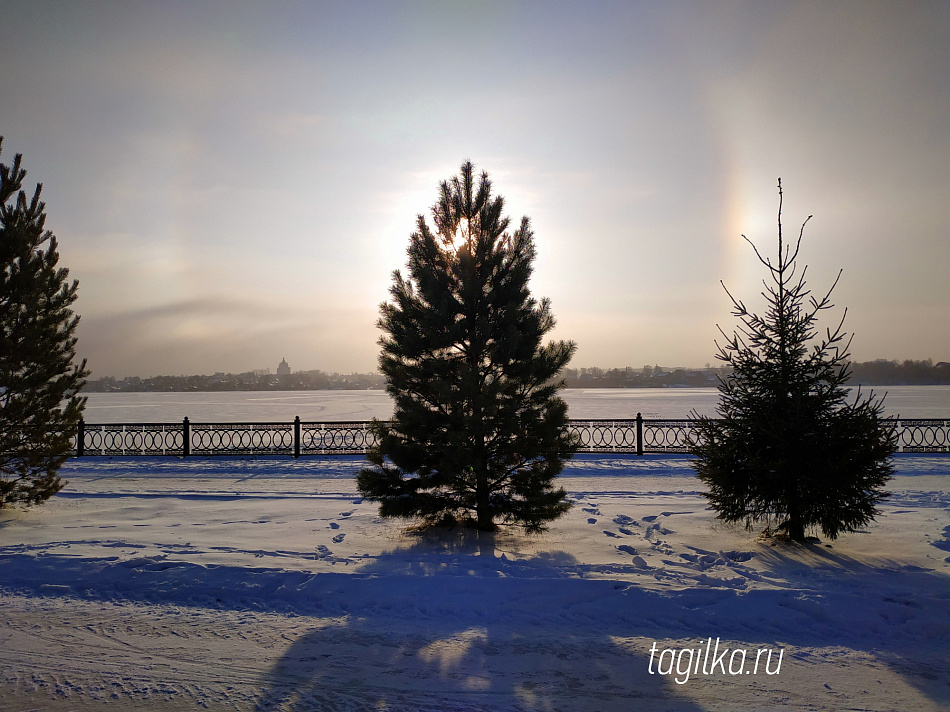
[
  {"x": 868, "y": 373},
  {"x": 583, "y": 385}
]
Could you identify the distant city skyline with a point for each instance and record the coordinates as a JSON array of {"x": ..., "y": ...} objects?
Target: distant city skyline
[
  {"x": 233, "y": 181},
  {"x": 285, "y": 368}
]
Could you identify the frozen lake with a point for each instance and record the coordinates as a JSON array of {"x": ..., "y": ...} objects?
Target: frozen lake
[{"x": 591, "y": 403}]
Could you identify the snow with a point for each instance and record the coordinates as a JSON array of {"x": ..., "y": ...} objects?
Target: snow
[{"x": 267, "y": 584}]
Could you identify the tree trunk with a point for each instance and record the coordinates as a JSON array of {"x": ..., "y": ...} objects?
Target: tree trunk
[
  {"x": 485, "y": 516},
  {"x": 795, "y": 528}
]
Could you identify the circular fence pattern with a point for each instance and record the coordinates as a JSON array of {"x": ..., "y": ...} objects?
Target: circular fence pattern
[
  {"x": 242, "y": 439},
  {"x": 143, "y": 439},
  {"x": 923, "y": 435},
  {"x": 604, "y": 435},
  {"x": 340, "y": 438},
  {"x": 668, "y": 435}
]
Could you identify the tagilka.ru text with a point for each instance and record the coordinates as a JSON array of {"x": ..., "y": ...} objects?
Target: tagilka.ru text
[{"x": 685, "y": 662}]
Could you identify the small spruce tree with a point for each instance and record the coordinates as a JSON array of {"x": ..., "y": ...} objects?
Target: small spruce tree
[
  {"x": 792, "y": 449},
  {"x": 478, "y": 433},
  {"x": 40, "y": 406}
]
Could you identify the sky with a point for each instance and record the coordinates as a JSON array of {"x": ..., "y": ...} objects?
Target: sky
[{"x": 234, "y": 183}]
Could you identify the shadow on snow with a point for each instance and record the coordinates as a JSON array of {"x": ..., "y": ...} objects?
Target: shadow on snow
[{"x": 449, "y": 620}]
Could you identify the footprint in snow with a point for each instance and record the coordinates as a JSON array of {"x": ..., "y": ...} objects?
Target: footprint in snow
[
  {"x": 345, "y": 514},
  {"x": 338, "y": 538},
  {"x": 610, "y": 533},
  {"x": 651, "y": 518},
  {"x": 334, "y": 525},
  {"x": 625, "y": 531},
  {"x": 591, "y": 521},
  {"x": 626, "y": 548}
]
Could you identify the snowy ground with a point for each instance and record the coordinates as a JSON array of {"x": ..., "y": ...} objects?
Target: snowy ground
[{"x": 268, "y": 585}]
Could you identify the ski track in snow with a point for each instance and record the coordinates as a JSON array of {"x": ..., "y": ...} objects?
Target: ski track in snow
[{"x": 268, "y": 584}]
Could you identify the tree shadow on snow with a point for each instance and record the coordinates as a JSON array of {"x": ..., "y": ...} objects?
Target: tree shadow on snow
[
  {"x": 447, "y": 622},
  {"x": 897, "y": 611}
]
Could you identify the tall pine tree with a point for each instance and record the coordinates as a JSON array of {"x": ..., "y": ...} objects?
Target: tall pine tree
[
  {"x": 792, "y": 449},
  {"x": 478, "y": 433},
  {"x": 40, "y": 406}
]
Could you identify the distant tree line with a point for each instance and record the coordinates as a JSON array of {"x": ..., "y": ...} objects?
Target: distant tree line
[
  {"x": 867, "y": 373},
  {"x": 900, "y": 373},
  {"x": 249, "y": 381}
]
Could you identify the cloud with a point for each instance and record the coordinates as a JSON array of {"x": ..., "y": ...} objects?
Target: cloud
[{"x": 226, "y": 335}]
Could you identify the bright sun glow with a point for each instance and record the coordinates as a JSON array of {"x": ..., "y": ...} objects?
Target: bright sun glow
[{"x": 461, "y": 235}]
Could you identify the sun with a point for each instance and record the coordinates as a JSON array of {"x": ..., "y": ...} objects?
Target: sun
[{"x": 461, "y": 235}]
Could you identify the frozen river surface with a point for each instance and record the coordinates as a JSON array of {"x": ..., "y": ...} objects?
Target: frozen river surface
[{"x": 584, "y": 404}]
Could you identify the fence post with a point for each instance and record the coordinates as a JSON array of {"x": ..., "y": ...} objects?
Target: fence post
[
  {"x": 80, "y": 437},
  {"x": 296, "y": 436},
  {"x": 186, "y": 437},
  {"x": 639, "y": 434}
]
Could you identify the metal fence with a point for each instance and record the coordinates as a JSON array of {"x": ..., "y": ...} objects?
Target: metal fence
[
  {"x": 186, "y": 438},
  {"x": 637, "y": 435}
]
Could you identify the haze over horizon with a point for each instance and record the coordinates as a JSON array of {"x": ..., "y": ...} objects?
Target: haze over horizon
[{"x": 233, "y": 183}]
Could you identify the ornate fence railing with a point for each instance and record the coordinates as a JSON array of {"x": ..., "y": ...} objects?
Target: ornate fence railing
[
  {"x": 923, "y": 435},
  {"x": 186, "y": 438},
  {"x": 636, "y": 435}
]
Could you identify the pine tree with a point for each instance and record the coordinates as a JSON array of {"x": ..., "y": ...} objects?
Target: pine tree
[
  {"x": 791, "y": 449},
  {"x": 478, "y": 433},
  {"x": 39, "y": 382}
]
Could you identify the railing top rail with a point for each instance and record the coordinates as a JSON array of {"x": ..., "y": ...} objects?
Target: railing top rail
[
  {"x": 900, "y": 418},
  {"x": 173, "y": 424},
  {"x": 217, "y": 423},
  {"x": 248, "y": 423}
]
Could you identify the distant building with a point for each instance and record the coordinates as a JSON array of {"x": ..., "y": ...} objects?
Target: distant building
[{"x": 283, "y": 369}]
